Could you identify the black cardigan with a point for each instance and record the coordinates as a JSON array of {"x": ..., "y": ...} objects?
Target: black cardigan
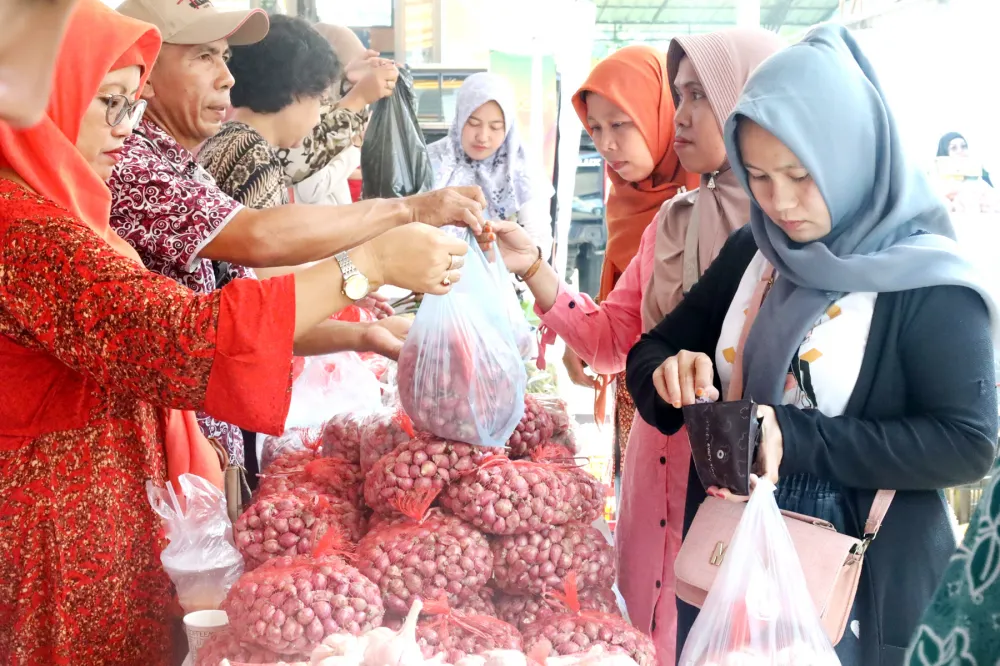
[{"x": 922, "y": 417}]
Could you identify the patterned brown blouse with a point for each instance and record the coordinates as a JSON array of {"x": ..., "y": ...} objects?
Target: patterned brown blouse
[
  {"x": 245, "y": 166},
  {"x": 91, "y": 347}
]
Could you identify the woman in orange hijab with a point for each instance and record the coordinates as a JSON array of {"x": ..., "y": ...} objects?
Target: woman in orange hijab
[{"x": 95, "y": 354}]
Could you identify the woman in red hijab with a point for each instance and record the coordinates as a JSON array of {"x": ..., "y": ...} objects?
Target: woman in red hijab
[{"x": 96, "y": 353}]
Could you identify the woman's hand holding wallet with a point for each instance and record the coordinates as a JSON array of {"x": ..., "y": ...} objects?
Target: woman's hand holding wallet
[{"x": 687, "y": 378}]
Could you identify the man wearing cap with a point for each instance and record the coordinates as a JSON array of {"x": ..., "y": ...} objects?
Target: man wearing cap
[{"x": 171, "y": 211}]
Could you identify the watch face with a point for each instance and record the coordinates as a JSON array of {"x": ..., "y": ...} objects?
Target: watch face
[{"x": 356, "y": 287}]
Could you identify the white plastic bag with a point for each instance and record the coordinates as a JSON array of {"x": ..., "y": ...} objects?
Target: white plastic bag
[
  {"x": 461, "y": 376},
  {"x": 201, "y": 558},
  {"x": 759, "y": 610}
]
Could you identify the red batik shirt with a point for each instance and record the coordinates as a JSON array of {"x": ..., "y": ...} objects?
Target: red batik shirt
[
  {"x": 168, "y": 208},
  {"x": 92, "y": 349}
]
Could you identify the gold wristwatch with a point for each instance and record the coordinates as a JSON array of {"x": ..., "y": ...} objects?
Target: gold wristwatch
[{"x": 356, "y": 285}]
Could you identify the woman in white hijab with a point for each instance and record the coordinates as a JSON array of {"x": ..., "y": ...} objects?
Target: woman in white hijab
[{"x": 483, "y": 148}]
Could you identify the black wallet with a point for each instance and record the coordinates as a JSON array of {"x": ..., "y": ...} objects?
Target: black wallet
[{"x": 724, "y": 438}]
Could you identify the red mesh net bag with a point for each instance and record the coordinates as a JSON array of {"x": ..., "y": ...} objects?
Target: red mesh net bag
[
  {"x": 534, "y": 429},
  {"x": 291, "y": 451},
  {"x": 522, "y": 611},
  {"x": 563, "y": 426},
  {"x": 459, "y": 634},
  {"x": 287, "y": 524},
  {"x": 585, "y": 492},
  {"x": 578, "y": 630},
  {"x": 290, "y": 604},
  {"x": 504, "y": 496},
  {"x": 325, "y": 476},
  {"x": 534, "y": 563},
  {"x": 425, "y": 554},
  {"x": 382, "y": 432},
  {"x": 341, "y": 437},
  {"x": 423, "y": 463}
]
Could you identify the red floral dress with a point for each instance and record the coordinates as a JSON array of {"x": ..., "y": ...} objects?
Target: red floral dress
[{"x": 89, "y": 343}]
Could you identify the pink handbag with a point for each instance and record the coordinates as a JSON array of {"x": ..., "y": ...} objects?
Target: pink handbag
[{"x": 830, "y": 561}]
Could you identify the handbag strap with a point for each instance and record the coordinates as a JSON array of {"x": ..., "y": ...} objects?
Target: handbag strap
[{"x": 883, "y": 498}]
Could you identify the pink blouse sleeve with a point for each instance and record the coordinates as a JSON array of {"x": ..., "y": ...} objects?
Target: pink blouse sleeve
[{"x": 602, "y": 335}]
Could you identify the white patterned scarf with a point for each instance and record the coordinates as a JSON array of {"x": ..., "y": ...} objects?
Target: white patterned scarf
[{"x": 508, "y": 178}]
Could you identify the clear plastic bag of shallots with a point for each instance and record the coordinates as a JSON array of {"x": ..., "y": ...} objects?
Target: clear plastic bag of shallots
[
  {"x": 759, "y": 610},
  {"x": 461, "y": 376}
]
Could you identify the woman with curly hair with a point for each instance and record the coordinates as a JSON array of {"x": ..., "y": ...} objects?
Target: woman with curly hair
[{"x": 280, "y": 84}]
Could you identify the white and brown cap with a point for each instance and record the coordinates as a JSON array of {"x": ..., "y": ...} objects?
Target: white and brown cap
[{"x": 191, "y": 22}]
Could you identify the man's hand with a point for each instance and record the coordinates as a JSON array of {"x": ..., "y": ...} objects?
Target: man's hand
[
  {"x": 386, "y": 337},
  {"x": 453, "y": 205},
  {"x": 416, "y": 257},
  {"x": 357, "y": 68},
  {"x": 378, "y": 82}
]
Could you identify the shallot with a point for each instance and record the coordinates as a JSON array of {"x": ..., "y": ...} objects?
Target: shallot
[
  {"x": 224, "y": 644},
  {"x": 291, "y": 524},
  {"x": 423, "y": 463},
  {"x": 460, "y": 635},
  {"x": 510, "y": 497},
  {"x": 534, "y": 429},
  {"x": 341, "y": 437},
  {"x": 290, "y": 604},
  {"x": 522, "y": 611},
  {"x": 426, "y": 554}
]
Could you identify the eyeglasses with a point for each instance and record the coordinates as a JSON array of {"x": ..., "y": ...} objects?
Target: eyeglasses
[{"x": 120, "y": 108}]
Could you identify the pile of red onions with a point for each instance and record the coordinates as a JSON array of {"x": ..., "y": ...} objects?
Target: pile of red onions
[
  {"x": 427, "y": 555},
  {"x": 290, "y": 604},
  {"x": 510, "y": 497},
  {"x": 522, "y": 611},
  {"x": 534, "y": 563},
  {"x": 424, "y": 463},
  {"x": 534, "y": 430},
  {"x": 575, "y": 633},
  {"x": 292, "y": 524}
]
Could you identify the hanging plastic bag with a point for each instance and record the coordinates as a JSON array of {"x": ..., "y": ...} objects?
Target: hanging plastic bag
[
  {"x": 201, "y": 558},
  {"x": 759, "y": 610},
  {"x": 394, "y": 160},
  {"x": 460, "y": 373}
]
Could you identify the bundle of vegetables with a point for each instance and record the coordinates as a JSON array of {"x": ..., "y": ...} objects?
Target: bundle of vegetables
[
  {"x": 290, "y": 604},
  {"x": 225, "y": 645},
  {"x": 425, "y": 462},
  {"x": 287, "y": 524},
  {"x": 382, "y": 432},
  {"x": 425, "y": 554},
  {"x": 511, "y": 497},
  {"x": 577, "y": 631},
  {"x": 459, "y": 634},
  {"x": 585, "y": 492},
  {"x": 289, "y": 452},
  {"x": 522, "y": 611},
  {"x": 533, "y": 430},
  {"x": 534, "y": 563},
  {"x": 563, "y": 431},
  {"x": 341, "y": 437}
]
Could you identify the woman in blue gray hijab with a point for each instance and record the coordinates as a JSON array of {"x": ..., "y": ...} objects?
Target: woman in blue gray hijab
[{"x": 872, "y": 352}]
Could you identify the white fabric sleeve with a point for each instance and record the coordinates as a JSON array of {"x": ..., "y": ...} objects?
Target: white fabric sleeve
[
  {"x": 328, "y": 186},
  {"x": 536, "y": 218}
]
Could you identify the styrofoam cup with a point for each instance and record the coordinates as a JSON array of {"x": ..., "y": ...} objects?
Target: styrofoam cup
[{"x": 200, "y": 625}]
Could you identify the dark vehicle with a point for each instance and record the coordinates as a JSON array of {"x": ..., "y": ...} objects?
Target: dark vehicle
[{"x": 588, "y": 235}]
